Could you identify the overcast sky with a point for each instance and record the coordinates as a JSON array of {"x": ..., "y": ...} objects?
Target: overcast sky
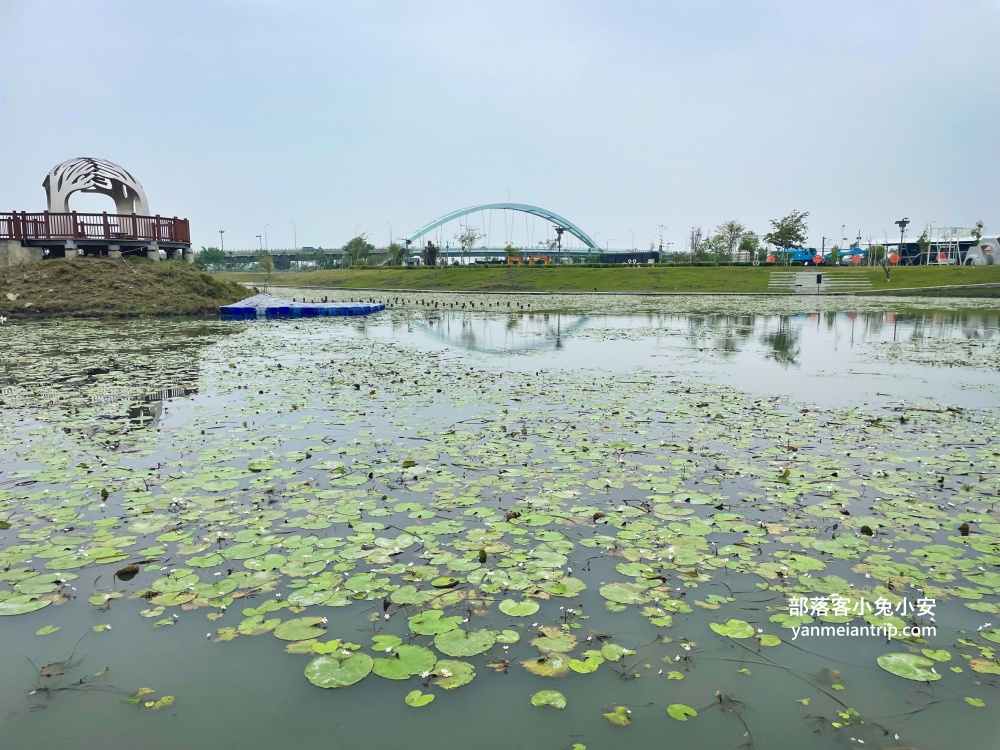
[{"x": 617, "y": 115}]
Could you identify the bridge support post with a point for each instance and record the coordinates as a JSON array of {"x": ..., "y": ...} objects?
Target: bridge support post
[
  {"x": 114, "y": 251},
  {"x": 70, "y": 249},
  {"x": 153, "y": 251},
  {"x": 188, "y": 255}
]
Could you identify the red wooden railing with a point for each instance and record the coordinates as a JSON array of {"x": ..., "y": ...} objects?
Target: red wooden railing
[{"x": 21, "y": 225}]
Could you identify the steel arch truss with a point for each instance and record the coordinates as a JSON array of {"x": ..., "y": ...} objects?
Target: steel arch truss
[{"x": 555, "y": 218}]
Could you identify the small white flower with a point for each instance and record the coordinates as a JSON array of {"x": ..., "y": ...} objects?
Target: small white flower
[
  {"x": 446, "y": 673},
  {"x": 323, "y": 620},
  {"x": 208, "y": 635},
  {"x": 389, "y": 650}
]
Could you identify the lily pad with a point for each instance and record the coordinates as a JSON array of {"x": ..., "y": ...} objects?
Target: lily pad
[
  {"x": 331, "y": 672},
  {"x": 733, "y": 628},
  {"x": 680, "y": 712},
  {"x": 549, "y": 698},
  {"x": 433, "y": 622},
  {"x": 464, "y": 643},
  {"x": 524, "y": 608},
  {"x": 300, "y": 629},
  {"x": 405, "y": 662},
  {"x": 619, "y": 716},
  {"x": 909, "y": 666},
  {"x": 453, "y": 674},
  {"x": 417, "y": 699}
]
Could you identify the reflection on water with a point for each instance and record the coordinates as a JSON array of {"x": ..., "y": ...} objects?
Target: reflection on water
[{"x": 826, "y": 358}]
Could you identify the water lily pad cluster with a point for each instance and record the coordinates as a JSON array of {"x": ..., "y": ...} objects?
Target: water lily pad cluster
[{"x": 475, "y": 517}]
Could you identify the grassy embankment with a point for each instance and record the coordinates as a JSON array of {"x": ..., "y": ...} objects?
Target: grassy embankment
[
  {"x": 680, "y": 279},
  {"x": 101, "y": 287}
]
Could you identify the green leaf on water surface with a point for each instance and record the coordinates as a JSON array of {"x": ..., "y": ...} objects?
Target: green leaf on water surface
[
  {"x": 300, "y": 629},
  {"x": 20, "y": 605},
  {"x": 991, "y": 635},
  {"x": 433, "y": 622},
  {"x": 508, "y": 636},
  {"x": 405, "y": 662},
  {"x": 444, "y": 582},
  {"x": 464, "y": 643},
  {"x": 410, "y": 595},
  {"x": 619, "y": 716},
  {"x": 939, "y": 655},
  {"x": 101, "y": 628},
  {"x": 332, "y": 672},
  {"x": 985, "y": 666},
  {"x": 47, "y": 630},
  {"x": 624, "y": 593},
  {"x": 524, "y": 608},
  {"x": 909, "y": 666},
  {"x": 382, "y": 642},
  {"x": 549, "y": 698},
  {"x": 675, "y": 675},
  {"x": 554, "y": 639},
  {"x": 612, "y": 651},
  {"x": 554, "y": 665},
  {"x": 733, "y": 628},
  {"x": 680, "y": 712},
  {"x": 417, "y": 699},
  {"x": 768, "y": 640},
  {"x": 453, "y": 674},
  {"x": 977, "y": 702}
]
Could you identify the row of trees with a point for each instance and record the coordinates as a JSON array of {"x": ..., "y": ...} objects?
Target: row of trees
[{"x": 733, "y": 241}]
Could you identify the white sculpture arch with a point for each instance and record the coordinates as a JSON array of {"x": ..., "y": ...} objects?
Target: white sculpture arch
[{"x": 89, "y": 175}]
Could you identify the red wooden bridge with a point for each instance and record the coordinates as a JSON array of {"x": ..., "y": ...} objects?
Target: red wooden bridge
[{"x": 105, "y": 227}]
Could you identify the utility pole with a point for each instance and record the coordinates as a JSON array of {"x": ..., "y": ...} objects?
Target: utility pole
[
  {"x": 222, "y": 242},
  {"x": 295, "y": 235}
]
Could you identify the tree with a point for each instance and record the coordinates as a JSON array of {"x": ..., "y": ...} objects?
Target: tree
[
  {"x": 749, "y": 246},
  {"x": 924, "y": 243},
  {"x": 397, "y": 254},
  {"x": 789, "y": 231},
  {"x": 712, "y": 248},
  {"x": 694, "y": 241},
  {"x": 358, "y": 249},
  {"x": 977, "y": 231},
  {"x": 512, "y": 252},
  {"x": 209, "y": 257},
  {"x": 835, "y": 255},
  {"x": 468, "y": 238},
  {"x": 266, "y": 264},
  {"x": 730, "y": 233}
]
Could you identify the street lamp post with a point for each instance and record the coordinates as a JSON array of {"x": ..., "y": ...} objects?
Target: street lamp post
[
  {"x": 390, "y": 234},
  {"x": 662, "y": 227},
  {"x": 261, "y": 244},
  {"x": 266, "y": 246},
  {"x": 295, "y": 235},
  {"x": 902, "y": 233},
  {"x": 222, "y": 242}
]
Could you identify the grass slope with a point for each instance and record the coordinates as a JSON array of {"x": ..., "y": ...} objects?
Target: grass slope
[
  {"x": 681, "y": 279},
  {"x": 102, "y": 287}
]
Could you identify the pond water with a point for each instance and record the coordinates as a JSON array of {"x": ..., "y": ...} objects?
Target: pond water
[{"x": 621, "y": 500}]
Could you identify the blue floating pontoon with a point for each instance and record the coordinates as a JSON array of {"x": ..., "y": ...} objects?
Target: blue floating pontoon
[{"x": 272, "y": 308}]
